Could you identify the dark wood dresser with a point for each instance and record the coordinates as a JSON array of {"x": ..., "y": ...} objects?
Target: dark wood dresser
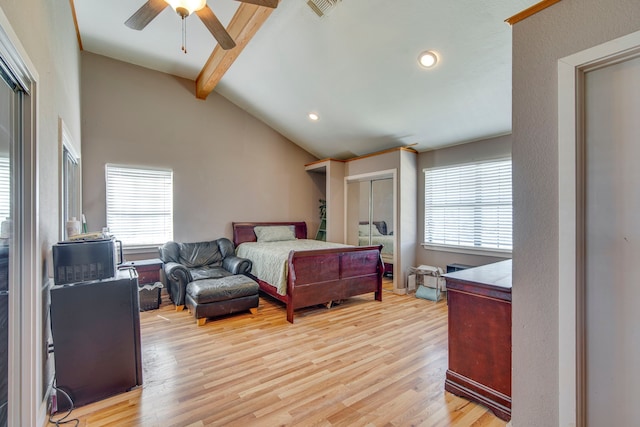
[{"x": 480, "y": 336}]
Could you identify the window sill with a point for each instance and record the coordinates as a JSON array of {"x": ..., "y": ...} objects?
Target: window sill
[{"x": 500, "y": 253}]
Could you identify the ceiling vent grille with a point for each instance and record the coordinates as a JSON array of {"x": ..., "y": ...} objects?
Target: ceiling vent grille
[{"x": 322, "y": 7}]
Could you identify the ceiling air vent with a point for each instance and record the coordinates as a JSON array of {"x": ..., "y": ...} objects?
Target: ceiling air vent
[{"x": 322, "y": 7}]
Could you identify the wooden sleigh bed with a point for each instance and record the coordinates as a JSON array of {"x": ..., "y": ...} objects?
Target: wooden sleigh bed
[{"x": 319, "y": 276}]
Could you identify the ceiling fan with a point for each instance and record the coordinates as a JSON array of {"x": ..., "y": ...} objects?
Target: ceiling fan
[{"x": 184, "y": 8}]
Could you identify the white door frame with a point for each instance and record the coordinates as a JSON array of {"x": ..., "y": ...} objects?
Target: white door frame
[{"x": 571, "y": 322}]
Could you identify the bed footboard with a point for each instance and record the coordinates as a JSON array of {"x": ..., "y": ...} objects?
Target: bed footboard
[{"x": 321, "y": 276}]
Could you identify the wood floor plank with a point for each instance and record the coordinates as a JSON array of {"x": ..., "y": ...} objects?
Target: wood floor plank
[{"x": 360, "y": 363}]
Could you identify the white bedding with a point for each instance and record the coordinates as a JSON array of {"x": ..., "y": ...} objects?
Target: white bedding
[
  {"x": 270, "y": 258},
  {"x": 380, "y": 239}
]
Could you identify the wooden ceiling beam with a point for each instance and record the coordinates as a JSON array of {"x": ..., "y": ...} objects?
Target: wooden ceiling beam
[
  {"x": 75, "y": 23},
  {"x": 243, "y": 26},
  {"x": 530, "y": 11}
]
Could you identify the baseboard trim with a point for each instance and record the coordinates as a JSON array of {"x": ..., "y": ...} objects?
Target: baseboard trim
[{"x": 498, "y": 403}]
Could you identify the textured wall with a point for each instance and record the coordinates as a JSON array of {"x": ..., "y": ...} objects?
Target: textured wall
[
  {"x": 46, "y": 37},
  {"x": 228, "y": 166},
  {"x": 565, "y": 28}
]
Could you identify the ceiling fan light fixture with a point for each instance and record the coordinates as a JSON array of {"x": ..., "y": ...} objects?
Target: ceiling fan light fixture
[
  {"x": 189, "y": 5},
  {"x": 428, "y": 59},
  {"x": 313, "y": 117}
]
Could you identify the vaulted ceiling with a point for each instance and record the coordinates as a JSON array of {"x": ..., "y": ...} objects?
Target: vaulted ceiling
[{"x": 356, "y": 67}]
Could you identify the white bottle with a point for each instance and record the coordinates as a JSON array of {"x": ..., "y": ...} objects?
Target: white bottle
[{"x": 73, "y": 227}]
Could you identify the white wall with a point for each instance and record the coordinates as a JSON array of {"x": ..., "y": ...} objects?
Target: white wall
[
  {"x": 228, "y": 166},
  {"x": 335, "y": 201},
  {"x": 407, "y": 221},
  {"x": 538, "y": 42},
  {"x": 46, "y": 33},
  {"x": 404, "y": 163},
  {"x": 493, "y": 148}
]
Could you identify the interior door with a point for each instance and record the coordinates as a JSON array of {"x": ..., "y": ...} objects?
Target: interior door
[
  {"x": 369, "y": 211},
  {"x": 370, "y": 216},
  {"x": 612, "y": 243},
  {"x": 382, "y": 207},
  {"x": 364, "y": 214}
]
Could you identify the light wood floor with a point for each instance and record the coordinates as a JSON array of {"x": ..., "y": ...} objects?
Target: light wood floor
[{"x": 361, "y": 363}]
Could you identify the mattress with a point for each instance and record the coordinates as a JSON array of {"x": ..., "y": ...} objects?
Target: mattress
[
  {"x": 270, "y": 258},
  {"x": 385, "y": 241}
]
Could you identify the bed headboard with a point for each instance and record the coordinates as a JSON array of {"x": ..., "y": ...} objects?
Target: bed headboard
[
  {"x": 243, "y": 231},
  {"x": 380, "y": 225}
]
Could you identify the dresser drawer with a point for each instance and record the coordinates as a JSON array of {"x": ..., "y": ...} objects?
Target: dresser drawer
[
  {"x": 148, "y": 276},
  {"x": 148, "y": 270}
]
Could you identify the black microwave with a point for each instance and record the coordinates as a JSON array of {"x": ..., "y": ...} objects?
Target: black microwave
[{"x": 84, "y": 260}]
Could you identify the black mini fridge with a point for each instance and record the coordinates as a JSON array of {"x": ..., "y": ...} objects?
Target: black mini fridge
[{"x": 95, "y": 328}]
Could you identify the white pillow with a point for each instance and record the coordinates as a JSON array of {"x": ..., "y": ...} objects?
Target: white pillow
[
  {"x": 274, "y": 233},
  {"x": 363, "y": 230}
]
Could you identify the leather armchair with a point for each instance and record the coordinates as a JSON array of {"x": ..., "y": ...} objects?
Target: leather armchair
[{"x": 187, "y": 262}]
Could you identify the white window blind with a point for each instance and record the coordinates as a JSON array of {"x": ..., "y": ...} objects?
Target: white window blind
[
  {"x": 139, "y": 205},
  {"x": 469, "y": 206},
  {"x": 5, "y": 188}
]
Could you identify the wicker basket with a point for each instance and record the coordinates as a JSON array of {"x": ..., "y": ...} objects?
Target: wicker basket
[{"x": 149, "y": 296}]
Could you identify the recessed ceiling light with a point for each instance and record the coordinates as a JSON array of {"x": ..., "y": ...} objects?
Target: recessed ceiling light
[
  {"x": 314, "y": 117},
  {"x": 428, "y": 59}
]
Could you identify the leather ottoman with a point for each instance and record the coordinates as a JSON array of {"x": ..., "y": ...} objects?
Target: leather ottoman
[{"x": 226, "y": 295}]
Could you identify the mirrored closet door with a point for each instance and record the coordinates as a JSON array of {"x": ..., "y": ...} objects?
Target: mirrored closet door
[{"x": 370, "y": 216}]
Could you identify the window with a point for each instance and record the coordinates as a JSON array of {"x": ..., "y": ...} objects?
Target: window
[
  {"x": 140, "y": 205},
  {"x": 469, "y": 206}
]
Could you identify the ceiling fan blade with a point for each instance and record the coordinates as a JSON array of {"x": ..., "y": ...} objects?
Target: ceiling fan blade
[
  {"x": 145, "y": 14},
  {"x": 210, "y": 20},
  {"x": 266, "y": 3}
]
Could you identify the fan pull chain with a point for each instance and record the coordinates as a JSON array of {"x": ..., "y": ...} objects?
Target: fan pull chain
[{"x": 184, "y": 35}]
